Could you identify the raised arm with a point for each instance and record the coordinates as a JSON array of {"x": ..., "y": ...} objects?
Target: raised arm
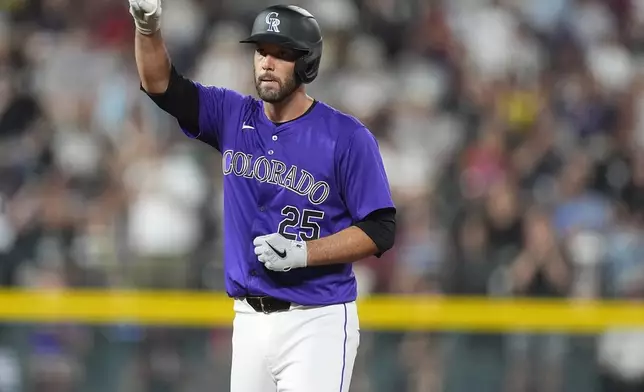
[
  {"x": 152, "y": 59},
  {"x": 173, "y": 93},
  {"x": 152, "y": 62},
  {"x": 202, "y": 111}
]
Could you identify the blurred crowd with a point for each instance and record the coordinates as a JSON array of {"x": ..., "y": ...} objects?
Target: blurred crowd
[{"x": 513, "y": 137}]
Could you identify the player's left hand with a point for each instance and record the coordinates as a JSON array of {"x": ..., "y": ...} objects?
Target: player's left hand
[{"x": 280, "y": 254}]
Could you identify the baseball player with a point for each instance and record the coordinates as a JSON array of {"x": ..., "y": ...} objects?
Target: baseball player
[{"x": 305, "y": 195}]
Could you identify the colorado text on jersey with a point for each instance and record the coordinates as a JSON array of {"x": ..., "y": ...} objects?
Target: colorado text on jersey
[{"x": 271, "y": 171}]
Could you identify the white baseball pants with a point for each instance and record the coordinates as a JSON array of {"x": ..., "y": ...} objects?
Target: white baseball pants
[{"x": 304, "y": 349}]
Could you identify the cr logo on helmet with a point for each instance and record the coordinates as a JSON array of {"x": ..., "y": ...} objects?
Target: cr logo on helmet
[{"x": 272, "y": 22}]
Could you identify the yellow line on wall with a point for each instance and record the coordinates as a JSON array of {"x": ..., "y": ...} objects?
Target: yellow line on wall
[{"x": 376, "y": 313}]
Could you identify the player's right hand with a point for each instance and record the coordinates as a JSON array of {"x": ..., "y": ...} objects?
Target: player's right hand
[{"x": 147, "y": 15}]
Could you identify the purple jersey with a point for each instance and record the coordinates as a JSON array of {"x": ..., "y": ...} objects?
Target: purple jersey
[{"x": 307, "y": 178}]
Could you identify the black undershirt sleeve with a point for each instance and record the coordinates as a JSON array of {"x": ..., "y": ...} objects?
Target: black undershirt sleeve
[
  {"x": 380, "y": 226},
  {"x": 180, "y": 100}
]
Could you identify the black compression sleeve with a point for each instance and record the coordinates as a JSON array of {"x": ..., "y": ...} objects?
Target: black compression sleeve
[
  {"x": 180, "y": 100},
  {"x": 380, "y": 226}
]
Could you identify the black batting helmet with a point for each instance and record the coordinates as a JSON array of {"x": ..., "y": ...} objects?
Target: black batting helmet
[{"x": 295, "y": 28}]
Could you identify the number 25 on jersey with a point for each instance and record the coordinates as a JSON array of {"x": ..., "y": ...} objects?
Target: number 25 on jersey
[{"x": 300, "y": 225}]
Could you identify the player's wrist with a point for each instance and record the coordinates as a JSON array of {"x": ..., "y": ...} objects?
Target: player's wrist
[
  {"x": 311, "y": 252},
  {"x": 145, "y": 30},
  {"x": 303, "y": 246},
  {"x": 147, "y": 27}
]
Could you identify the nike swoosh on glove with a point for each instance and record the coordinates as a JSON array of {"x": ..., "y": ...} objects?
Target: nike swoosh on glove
[{"x": 278, "y": 253}]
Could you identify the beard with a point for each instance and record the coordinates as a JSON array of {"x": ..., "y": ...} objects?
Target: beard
[{"x": 277, "y": 90}]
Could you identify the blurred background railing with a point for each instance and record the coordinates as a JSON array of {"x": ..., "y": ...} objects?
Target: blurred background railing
[
  {"x": 92, "y": 340},
  {"x": 512, "y": 133}
]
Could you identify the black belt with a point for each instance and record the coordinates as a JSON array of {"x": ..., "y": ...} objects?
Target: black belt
[{"x": 267, "y": 304}]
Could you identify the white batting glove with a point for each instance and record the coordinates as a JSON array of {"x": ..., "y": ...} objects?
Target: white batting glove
[
  {"x": 280, "y": 254},
  {"x": 147, "y": 15}
]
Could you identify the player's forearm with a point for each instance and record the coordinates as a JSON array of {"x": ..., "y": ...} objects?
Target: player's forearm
[
  {"x": 152, "y": 62},
  {"x": 346, "y": 246}
]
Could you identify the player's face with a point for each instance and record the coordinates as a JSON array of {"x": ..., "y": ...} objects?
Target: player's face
[{"x": 274, "y": 72}]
